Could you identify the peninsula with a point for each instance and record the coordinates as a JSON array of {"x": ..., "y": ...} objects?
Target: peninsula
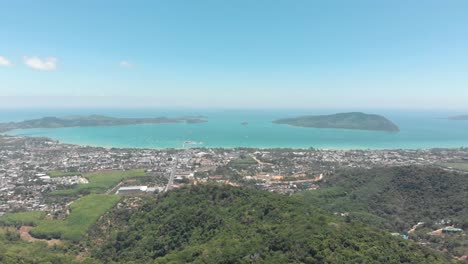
[
  {"x": 95, "y": 120},
  {"x": 353, "y": 120}
]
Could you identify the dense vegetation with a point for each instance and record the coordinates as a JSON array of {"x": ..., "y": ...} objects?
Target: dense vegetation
[
  {"x": 94, "y": 120},
  {"x": 396, "y": 198},
  {"x": 100, "y": 182},
  {"x": 354, "y": 120},
  {"x": 222, "y": 224}
]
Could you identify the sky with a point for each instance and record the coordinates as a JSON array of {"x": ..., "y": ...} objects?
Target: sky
[{"x": 234, "y": 53}]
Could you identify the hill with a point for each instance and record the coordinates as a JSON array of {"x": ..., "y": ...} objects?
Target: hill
[
  {"x": 353, "y": 120},
  {"x": 396, "y": 199},
  {"x": 223, "y": 224},
  {"x": 399, "y": 196},
  {"x": 94, "y": 120}
]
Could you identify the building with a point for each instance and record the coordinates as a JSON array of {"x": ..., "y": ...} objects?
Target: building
[
  {"x": 132, "y": 190},
  {"x": 45, "y": 178}
]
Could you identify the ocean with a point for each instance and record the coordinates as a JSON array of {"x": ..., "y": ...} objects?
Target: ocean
[{"x": 419, "y": 130}]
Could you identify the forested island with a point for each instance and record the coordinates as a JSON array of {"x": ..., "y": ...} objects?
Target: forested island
[
  {"x": 95, "y": 120},
  {"x": 353, "y": 120},
  {"x": 459, "y": 118}
]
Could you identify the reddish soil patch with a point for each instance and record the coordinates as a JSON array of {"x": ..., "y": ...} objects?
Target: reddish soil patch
[{"x": 24, "y": 234}]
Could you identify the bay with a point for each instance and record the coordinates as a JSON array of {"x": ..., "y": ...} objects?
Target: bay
[{"x": 419, "y": 130}]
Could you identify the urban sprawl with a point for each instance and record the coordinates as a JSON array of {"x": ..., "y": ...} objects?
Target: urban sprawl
[{"x": 27, "y": 167}]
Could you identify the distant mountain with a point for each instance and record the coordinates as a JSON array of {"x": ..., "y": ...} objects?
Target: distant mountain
[
  {"x": 223, "y": 224},
  {"x": 459, "y": 117},
  {"x": 353, "y": 120},
  {"x": 95, "y": 120}
]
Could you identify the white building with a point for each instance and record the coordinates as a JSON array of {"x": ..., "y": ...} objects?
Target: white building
[{"x": 132, "y": 190}]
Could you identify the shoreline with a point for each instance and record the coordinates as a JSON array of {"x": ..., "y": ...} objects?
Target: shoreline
[{"x": 3, "y": 135}]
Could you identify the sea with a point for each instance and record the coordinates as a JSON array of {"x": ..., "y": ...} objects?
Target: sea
[{"x": 248, "y": 128}]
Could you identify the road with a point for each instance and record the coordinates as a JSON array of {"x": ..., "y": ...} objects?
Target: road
[
  {"x": 171, "y": 178},
  {"x": 259, "y": 161}
]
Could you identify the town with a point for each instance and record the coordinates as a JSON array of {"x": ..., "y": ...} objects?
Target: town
[{"x": 33, "y": 168}]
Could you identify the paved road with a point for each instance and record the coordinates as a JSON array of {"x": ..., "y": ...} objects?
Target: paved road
[{"x": 171, "y": 178}]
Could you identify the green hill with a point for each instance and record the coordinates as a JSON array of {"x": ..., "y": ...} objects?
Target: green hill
[
  {"x": 399, "y": 196},
  {"x": 222, "y": 224},
  {"x": 396, "y": 199},
  {"x": 354, "y": 120}
]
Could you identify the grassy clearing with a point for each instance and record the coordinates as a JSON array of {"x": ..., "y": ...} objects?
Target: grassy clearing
[
  {"x": 84, "y": 212},
  {"x": 100, "y": 182},
  {"x": 56, "y": 173},
  {"x": 243, "y": 162},
  {"x": 463, "y": 166},
  {"x": 24, "y": 218}
]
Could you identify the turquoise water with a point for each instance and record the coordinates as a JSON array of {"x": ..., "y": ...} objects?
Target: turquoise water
[{"x": 224, "y": 129}]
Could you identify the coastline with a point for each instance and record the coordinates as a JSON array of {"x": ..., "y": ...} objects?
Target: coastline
[{"x": 201, "y": 148}]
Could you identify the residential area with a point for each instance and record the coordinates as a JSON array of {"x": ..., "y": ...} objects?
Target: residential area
[{"x": 33, "y": 168}]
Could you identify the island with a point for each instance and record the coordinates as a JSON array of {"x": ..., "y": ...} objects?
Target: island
[
  {"x": 96, "y": 120},
  {"x": 353, "y": 120},
  {"x": 458, "y": 118}
]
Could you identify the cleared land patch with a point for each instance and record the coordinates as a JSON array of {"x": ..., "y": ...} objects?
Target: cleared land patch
[
  {"x": 24, "y": 235},
  {"x": 84, "y": 212},
  {"x": 23, "y": 218},
  {"x": 100, "y": 182},
  {"x": 242, "y": 162},
  {"x": 463, "y": 166}
]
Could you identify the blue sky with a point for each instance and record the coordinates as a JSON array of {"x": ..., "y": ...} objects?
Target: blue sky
[{"x": 243, "y": 53}]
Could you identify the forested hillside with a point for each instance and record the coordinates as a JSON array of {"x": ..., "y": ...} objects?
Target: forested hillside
[
  {"x": 399, "y": 197},
  {"x": 222, "y": 224}
]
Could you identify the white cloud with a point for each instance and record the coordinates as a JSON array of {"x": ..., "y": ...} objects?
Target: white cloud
[
  {"x": 4, "y": 61},
  {"x": 45, "y": 64},
  {"x": 126, "y": 64}
]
